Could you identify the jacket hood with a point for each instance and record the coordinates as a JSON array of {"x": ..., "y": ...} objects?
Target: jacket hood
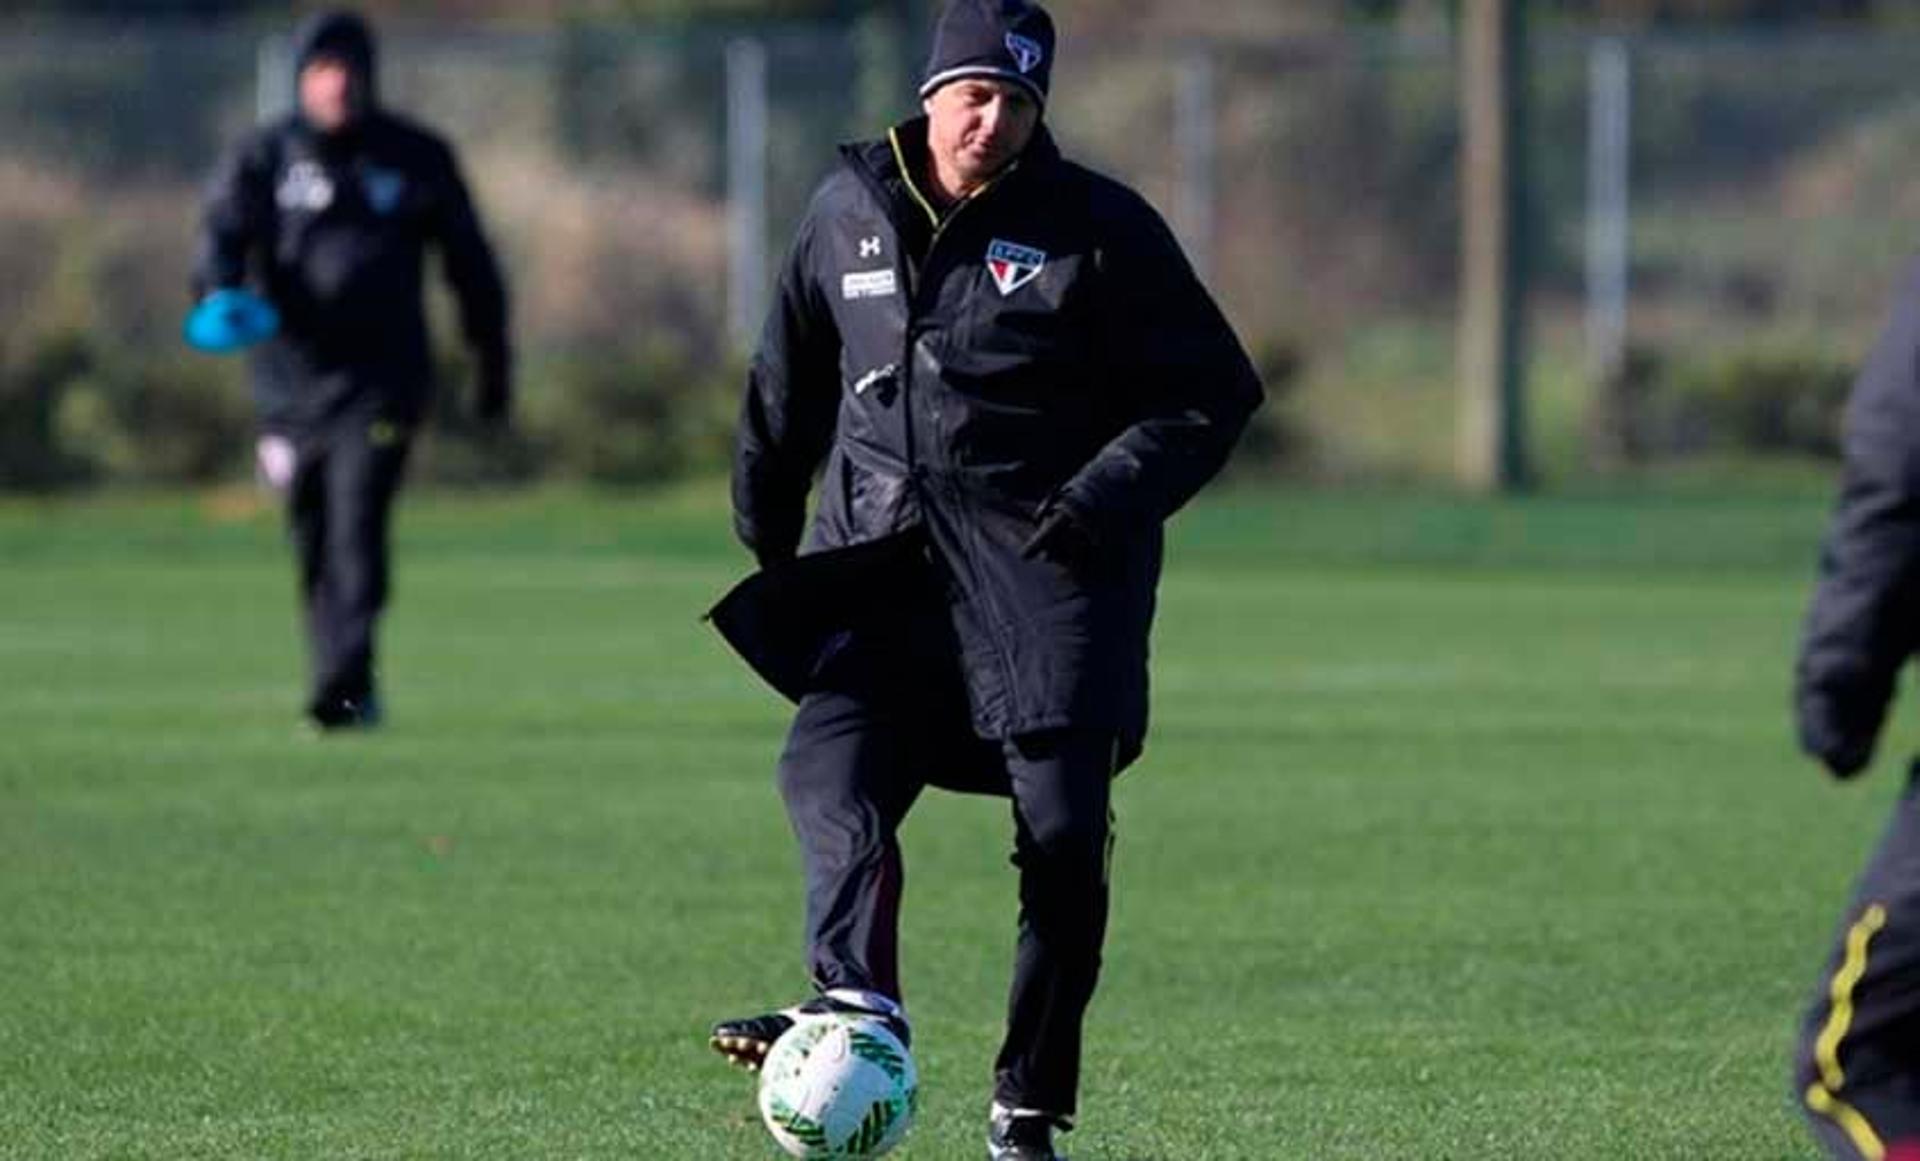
[{"x": 344, "y": 36}]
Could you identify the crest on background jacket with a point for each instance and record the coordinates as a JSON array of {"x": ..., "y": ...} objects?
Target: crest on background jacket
[
  {"x": 384, "y": 189},
  {"x": 1013, "y": 265},
  {"x": 304, "y": 186}
]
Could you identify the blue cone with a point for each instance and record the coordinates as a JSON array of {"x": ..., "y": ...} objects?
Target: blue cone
[{"x": 230, "y": 320}]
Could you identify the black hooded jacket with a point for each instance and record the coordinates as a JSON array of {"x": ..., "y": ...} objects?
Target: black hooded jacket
[
  {"x": 333, "y": 229},
  {"x": 1864, "y": 622},
  {"x": 1043, "y": 346}
]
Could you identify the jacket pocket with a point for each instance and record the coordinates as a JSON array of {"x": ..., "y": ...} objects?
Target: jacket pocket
[{"x": 873, "y": 498}]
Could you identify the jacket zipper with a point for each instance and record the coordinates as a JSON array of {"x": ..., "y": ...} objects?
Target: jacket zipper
[
  {"x": 914, "y": 276},
  {"x": 914, "y": 272},
  {"x": 969, "y": 522},
  {"x": 995, "y": 624}
]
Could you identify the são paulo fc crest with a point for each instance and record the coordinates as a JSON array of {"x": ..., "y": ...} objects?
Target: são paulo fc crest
[
  {"x": 1026, "y": 52},
  {"x": 1013, "y": 266}
]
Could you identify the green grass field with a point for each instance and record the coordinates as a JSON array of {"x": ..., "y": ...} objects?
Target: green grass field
[{"x": 1467, "y": 831}]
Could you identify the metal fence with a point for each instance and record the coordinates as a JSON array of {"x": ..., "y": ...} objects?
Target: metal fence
[{"x": 1699, "y": 207}]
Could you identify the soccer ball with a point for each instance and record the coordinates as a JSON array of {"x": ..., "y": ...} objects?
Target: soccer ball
[{"x": 838, "y": 1086}]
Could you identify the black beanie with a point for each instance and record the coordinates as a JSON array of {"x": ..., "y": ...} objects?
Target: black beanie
[{"x": 1009, "y": 40}]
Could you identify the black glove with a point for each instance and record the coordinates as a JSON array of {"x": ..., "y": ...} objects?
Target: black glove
[
  {"x": 1841, "y": 739},
  {"x": 1062, "y": 536}
]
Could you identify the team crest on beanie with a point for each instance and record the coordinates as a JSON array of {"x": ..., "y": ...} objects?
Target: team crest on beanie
[{"x": 1027, "y": 53}]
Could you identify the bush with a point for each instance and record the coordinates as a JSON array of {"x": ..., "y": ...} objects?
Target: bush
[
  {"x": 458, "y": 450},
  {"x": 642, "y": 417},
  {"x": 33, "y": 386},
  {"x": 164, "y": 418},
  {"x": 1760, "y": 401},
  {"x": 1763, "y": 401},
  {"x": 1276, "y": 439}
]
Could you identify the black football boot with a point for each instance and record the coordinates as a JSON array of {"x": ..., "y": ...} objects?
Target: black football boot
[
  {"x": 746, "y": 1041},
  {"x": 1020, "y": 1135}
]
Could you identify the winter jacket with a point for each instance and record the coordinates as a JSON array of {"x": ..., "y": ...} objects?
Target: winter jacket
[
  {"x": 1045, "y": 345},
  {"x": 333, "y": 229},
  {"x": 1864, "y": 622}
]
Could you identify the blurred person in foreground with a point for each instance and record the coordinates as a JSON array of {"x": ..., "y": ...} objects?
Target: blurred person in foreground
[
  {"x": 1013, "y": 379},
  {"x": 1857, "y": 1067},
  {"x": 328, "y": 213}
]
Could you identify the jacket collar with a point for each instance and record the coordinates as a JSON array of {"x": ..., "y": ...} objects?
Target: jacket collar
[{"x": 896, "y": 165}]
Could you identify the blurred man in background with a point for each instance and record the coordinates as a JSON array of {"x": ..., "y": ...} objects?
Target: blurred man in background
[
  {"x": 1858, "y": 1063},
  {"x": 328, "y": 212},
  {"x": 1014, "y": 379}
]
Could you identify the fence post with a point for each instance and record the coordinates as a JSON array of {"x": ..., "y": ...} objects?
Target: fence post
[
  {"x": 746, "y": 67},
  {"x": 1609, "y": 206},
  {"x": 1493, "y": 92},
  {"x": 272, "y": 78},
  {"x": 1194, "y": 114}
]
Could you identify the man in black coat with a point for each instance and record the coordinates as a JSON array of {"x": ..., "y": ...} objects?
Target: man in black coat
[
  {"x": 1013, "y": 379},
  {"x": 329, "y": 212},
  {"x": 1857, "y": 1067}
]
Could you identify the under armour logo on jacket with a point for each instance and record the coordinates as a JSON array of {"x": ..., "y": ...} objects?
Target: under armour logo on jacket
[{"x": 870, "y": 247}]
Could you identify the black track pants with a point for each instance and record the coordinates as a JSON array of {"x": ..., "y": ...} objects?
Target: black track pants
[
  {"x": 1857, "y": 1067},
  {"x": 1063, "y": 831},
  {"x": 339, "y": 507},
  {"x": 856, "y": 759}
]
